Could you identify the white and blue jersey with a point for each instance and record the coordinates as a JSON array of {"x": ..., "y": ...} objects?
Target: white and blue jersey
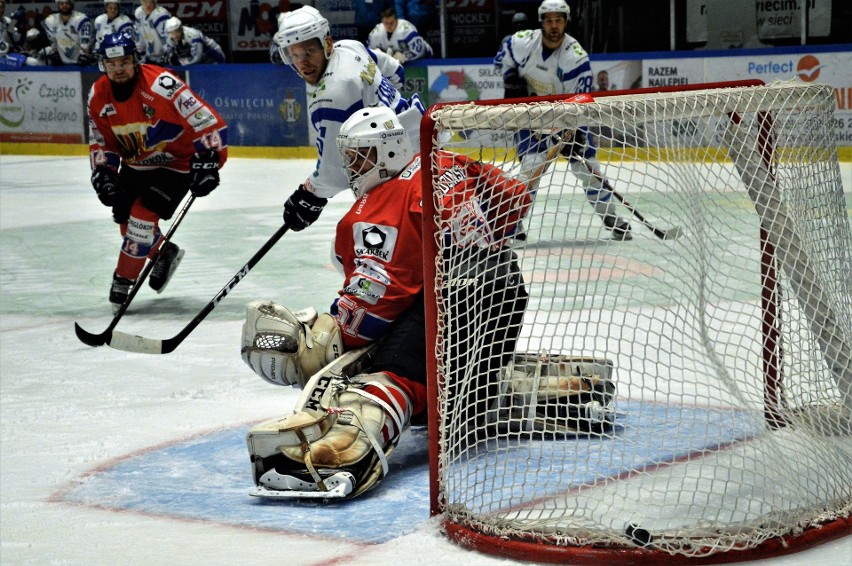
[
  {"x": 69, "y": 38},
  {"x": 194, "y": 47},
  {"x": 105, "y": 26},
  {"x": 354, "y": 78},
  {"x": 565, "y": 70},
  {"x": 405, "y": 43}
]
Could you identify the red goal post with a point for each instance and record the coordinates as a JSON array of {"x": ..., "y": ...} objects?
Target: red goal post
[{"x": 731, "y": 345}]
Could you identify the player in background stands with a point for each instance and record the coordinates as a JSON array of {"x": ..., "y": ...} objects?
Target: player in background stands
[
  {"x": 188, "y": 46},
  {"x": 70, "y": 35},
  {"x": 111, "y": 21},
  {"x": 151, "y": 140},
  {"x": 398, "y": 38},
  {"x": 151, "y": 31},
  {"x": 342, "y": 77},
  {"x": 379, "y": 244},
  {"x": 548, "y": 61}
]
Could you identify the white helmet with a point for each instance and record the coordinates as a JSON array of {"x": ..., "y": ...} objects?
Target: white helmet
[
  {"x": 173, "y": 24},
  {"x": 370, "y": 128},
  {"x": 554, "y": 6},
  {"x": 298, "y": 26}
]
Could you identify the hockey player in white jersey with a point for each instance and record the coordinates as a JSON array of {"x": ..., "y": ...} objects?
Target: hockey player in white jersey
[
  {"x": 342, "y": 77},
  {"x": 398, "y": 38},
  {"x": 188, "y": 46},
  {"x": 151, "y": 31},
  {"x": 111, "y": 21},
  {"x": 549, "y": 61},
  {"x": 70, "y": 35}
]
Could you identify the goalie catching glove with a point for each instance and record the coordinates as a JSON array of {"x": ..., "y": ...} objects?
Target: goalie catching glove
[
  {"x": 285, "y": 347},
  {"x": 337, "y": 442}
]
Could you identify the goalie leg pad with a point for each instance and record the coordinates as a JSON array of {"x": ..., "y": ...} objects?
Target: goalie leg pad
[
  {"x": 354, "y": 428},
  {"x": 558, "y": 394},
  {"x": 285, "y": 347}
]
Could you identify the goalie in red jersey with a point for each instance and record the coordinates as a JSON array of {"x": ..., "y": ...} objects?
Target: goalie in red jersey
[
  {"x": 151, "y": 141},
  {"x": 353, "y": 424}
]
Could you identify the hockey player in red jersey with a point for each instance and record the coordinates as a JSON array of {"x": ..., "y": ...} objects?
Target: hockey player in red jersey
[
  {"x": 379, "y": 246},
  {"x": 152, "y": 140}
]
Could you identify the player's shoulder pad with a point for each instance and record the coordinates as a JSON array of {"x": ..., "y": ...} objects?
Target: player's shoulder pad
[
  {"x": 405, "y": 26},
  {"x": 163, "y": 83}
]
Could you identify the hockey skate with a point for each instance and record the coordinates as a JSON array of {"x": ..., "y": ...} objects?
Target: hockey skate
[
  {"x": 119, "y": 291},
  {"x": 167, "y": 262}
]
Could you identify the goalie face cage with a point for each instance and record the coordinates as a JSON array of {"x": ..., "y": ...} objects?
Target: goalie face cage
[{"x": 731, "y": 344}]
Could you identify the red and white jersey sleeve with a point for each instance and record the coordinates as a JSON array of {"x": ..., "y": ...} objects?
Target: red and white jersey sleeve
[
  {"x": 379, "y": 242},
  {"x": 161, "y": 125}
]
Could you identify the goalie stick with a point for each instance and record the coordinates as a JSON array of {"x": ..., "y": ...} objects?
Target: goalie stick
[
  {"x": 100, "y": 339},
  {"x": 142, "y": 345},
  {"x": 669, "y": 234}
]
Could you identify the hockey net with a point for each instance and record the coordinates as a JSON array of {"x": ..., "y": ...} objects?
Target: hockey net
[{"x": 728, "y": 333}]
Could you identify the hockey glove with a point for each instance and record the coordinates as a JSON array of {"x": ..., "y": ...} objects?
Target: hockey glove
[
  {"x": 105, "y": 182},
  {"x": 302, "y": 209},
  {"x": 203, "y": 173},
  {"x": 574, "y": 144}
]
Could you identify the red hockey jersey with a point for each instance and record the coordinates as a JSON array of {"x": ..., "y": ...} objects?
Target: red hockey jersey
[
  {"x": 162, "y": 124},
  {"x": 379, "y": 241}
]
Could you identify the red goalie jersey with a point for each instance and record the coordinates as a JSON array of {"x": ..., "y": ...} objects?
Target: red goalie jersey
[
  {"x": 379, "y": 241},
  {"x": 162, "y": 124}
]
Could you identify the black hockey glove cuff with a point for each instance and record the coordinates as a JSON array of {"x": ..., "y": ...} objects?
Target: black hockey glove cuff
[
  {"x": 302, "y": 209},
  {"x": 105, "y": 182},
  {"x": 203, "y": 173},
  {"x": 575, "y": 144}
]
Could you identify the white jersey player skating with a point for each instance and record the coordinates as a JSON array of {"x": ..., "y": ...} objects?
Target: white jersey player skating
[
  {"x": 398, "y": 38},
  {"x": 342, "y": 77},
  {"x": 70, "y": 35},
  {"x": 151, "y": 31},
  {"x": 111, "y": 21},
  {"x": 548, "y": 61}
]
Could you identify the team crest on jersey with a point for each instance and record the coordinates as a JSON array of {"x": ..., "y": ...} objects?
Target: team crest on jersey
[
  {"x": 318, "y": 89},
  {"x": 140, "y": 138},
  {"x": 374, "y": 240},
  {"x": 107, "y": 110},
  {"x": 149, "y": 112},
  {"x": 166, "y": 85}
]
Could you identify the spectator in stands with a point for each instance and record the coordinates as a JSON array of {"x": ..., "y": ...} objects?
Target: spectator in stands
[
  {"x": 70, "y": 35},
  {"x": 188, "y": 46},
  {"x": 151, "y": 31},
  {"x": 398, "y": 38},
  {"x": 603, "y": 81}
]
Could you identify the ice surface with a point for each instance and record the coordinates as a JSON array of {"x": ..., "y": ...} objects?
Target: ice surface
[{"x": 81, "y": 429}]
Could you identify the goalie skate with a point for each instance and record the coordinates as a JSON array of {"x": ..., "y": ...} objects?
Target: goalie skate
[{"x": 281, "y": 486}]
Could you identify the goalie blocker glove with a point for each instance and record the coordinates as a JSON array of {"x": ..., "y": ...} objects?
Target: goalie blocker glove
[
  {"x": 203, "y": 173},
  {"x": 105, "y": 182},
  {"x": 302, "y": 209}
]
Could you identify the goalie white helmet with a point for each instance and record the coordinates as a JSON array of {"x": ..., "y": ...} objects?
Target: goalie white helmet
[
  {"x": 173, "y": 24},
  {"x": 373, "y": 146},
  {"x": 302, "y": 25},
  {"x": 554, "y": 7}
]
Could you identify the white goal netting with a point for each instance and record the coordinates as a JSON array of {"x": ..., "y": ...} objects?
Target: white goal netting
[{"x": 724, "y": 323}]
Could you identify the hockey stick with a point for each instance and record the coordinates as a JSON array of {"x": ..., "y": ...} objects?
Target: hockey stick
[
  {"x": 669, "y": 234},
  {"x": 100, "y": 339},
  {"x": 142, "y": 345}
]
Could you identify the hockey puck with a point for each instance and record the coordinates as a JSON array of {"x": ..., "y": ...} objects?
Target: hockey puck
[{"x": 638, "y": 535}]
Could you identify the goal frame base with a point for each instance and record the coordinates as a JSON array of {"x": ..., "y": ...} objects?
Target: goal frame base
[{"x": 594, "y": 556}]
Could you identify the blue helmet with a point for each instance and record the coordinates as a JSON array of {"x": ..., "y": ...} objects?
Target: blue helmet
[{"x": 117, "y": 45}]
